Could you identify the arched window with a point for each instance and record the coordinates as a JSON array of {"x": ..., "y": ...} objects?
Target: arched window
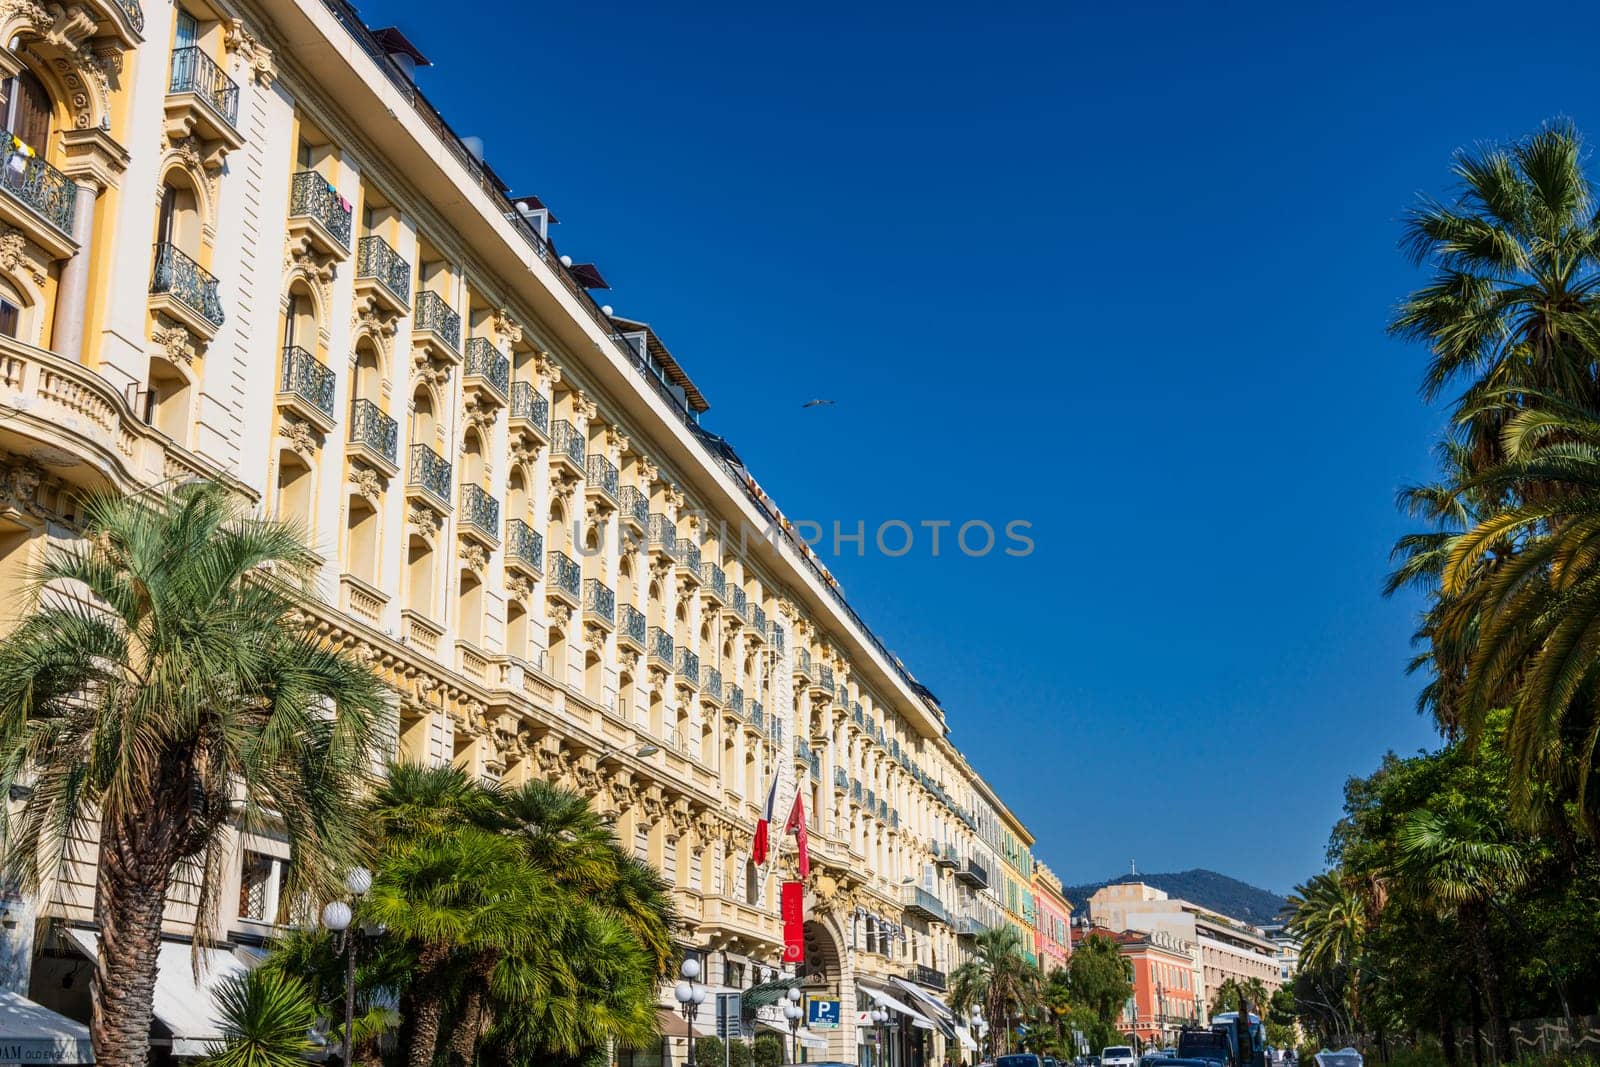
[
  {"x": 361, "y": 540},
  {"x": 472, "y": 465},
  {"x": 11, "y": 305},
  {"x": 419, "y": 577},
  {"x": 178, "y": 223},
  {"x": 516, "y": 629},
  {"x": 471, "y": 605},
  {"x": 424, "y": 425},
  {"x": 294, "y": 492},
  {"x": 300, "y": 318},
  {"x": 516, "y": 495},
  {"x": 557, "y": 535},
  {"x": 166, "y": 401},
  {"x": 368, "y": 383}
]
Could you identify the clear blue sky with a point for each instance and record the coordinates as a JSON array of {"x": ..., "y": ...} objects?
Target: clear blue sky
[{"x": 1123, "y": 274}]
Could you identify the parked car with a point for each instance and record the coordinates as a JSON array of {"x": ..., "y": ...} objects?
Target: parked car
[{"x": 1018, "y": 1059}]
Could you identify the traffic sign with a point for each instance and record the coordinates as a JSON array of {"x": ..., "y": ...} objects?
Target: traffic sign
[{"x": 822, "y": 1014}]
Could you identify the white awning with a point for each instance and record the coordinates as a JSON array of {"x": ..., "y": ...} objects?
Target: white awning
[
  {"x": 883, "y": 997},
  {"x": 32, "y": 1033},
  {"x": 965, "y": 1037},
  {"x": 187, "y": 1008},
  {"x": 943, "y": 1018}
]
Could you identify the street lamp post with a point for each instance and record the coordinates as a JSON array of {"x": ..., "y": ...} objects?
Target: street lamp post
[
  {"x": 879, "y": 1016},
  {"x": 976, "y": 1019},
  {"x": 336, "y": 916},
  {"x": 690, "y": 995},
  {"x": 792, "y": 1012}
]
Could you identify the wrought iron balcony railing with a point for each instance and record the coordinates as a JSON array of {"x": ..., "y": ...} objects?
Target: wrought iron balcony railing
[
  {"x": 658, "y": 644},
  {"x": 663, "y": 535},
  {"x": 855, "y": 790},
  {"x": 375, "y": 259},
  {"x": 526, "y": 544},
  {"x": 735, "y": 699},
  {"x": 815, "y": 759},
  {"x": 480, "y": 510},
  {"x": 688, "y": 665},
  {"x": 530, "y": 404},
  {"x": 776, "y": 635},
  {"x": 564, "y": 572},
  {"x": 711, "y": 680},
  {"x": 714, "y": 579},
  {"x": 195, "y": 72},
  {"x": 432, "y": 313},
  {"x": 306, "y": 377},
  {"x": 485, "y": 361},
  {"x": 737, "y": 603},
  {"x": 758, "y": 619},
  {"x": 825, "y": 678},
  {"x": 566, "y": 441},
  {"x": 599, "y": 600},
  {"x": 430, "y": 472},
  {"x": 688, "y": 554},
  {"x": 802, "y": 660},
  {"x": 920, "y": 973},
  {"x": 312, "y": 196},
  {"x": 48, "y": 193},
  {"x": 630, "y": 623},
  {"x": 134, "y": 13},
  {"x": 758, "y": 716},
  {"x": 187, "y": 282},
  {"x": 602, "y": 475},
  {"x": 371, "y": 427},
  {"x": 635, "y": 506},
  {"x": 841, "y": 780}
]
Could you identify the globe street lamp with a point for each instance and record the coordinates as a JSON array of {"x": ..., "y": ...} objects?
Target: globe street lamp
[
  {"x": 879, "y": 1016},
  {"x": 793, "y": 1013},
  {"x": 336, "y": 916},
  {"x": 976, "y": 1020},
  {"x": 690, "y": 995}
]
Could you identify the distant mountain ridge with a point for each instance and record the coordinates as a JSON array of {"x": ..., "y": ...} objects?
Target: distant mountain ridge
[{"x": 1216, "y": 892}]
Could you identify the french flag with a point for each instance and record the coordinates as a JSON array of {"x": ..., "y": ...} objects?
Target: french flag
[{"x": 758, "y": 850}]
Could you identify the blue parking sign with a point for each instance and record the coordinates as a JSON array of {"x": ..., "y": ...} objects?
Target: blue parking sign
[{"x": 822, "y": 1014}]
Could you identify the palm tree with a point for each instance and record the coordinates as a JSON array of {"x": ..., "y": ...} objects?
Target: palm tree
[
  {"x": 1512, "y": 303},
  {"x": 163, "y": 691},
  {"x": 1460, "y": 864},
  {"x": 998, "y": 979},
  {"x": 1329, "y": 918},
  {"x": 266, "y": 1021}
]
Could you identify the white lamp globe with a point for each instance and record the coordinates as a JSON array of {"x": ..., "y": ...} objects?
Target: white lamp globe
[
  {"x": 358, "y": 881},
  {"x": 336, "y": 916},
  {"x": 699, "y": 994},
  {"x": 690, "y": 968},
  {"x": 683, "y": 992},
  {"x": 791, "y": 1012},
  {"x": 566, "y": 261},
  {"x": 607, "y": 309},
  {"x": 794, "y": 995}
]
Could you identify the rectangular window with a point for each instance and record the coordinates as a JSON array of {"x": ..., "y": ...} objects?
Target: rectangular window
[
  {"x": 188, "y": 31},
  {"x": 9, "y": 316},
  {"x": 257, "y": 891}
]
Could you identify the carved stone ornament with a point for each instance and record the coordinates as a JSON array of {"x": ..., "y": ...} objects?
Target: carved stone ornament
[
  {"x": 562, "y": 486},
  {"x": 367, "y": 483},
  {"x": 560, "y": 615},
  {"x": 505, "y": 328},
  {"x": 299, "y": 435},
  {"x": 583, "y": 409},
  {"x": 428, "y": 370},
  {"x": 199, "y": 159},
  {"x": 17, "y": 252},
  {"x": 300, "y": 258},
  {"x": 424, "y": 522},
  {"x": 371, "y": 321},
  {"x": 524, "y": 448},
  {"x": 546, "y": 368},
  {"x": 518, "y": 587},
  {"x": 175, "y": 343},
  {"x": 247, "y": 47},
  {"x": 473, "y": 555},
  {"x": 616, "y": 443},
  {"x": 479, "y": 412},
  {"x": 20, "y": 480},
  {"x": 648, "y": 472}
]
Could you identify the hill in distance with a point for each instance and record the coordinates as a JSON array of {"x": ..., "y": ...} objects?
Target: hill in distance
[{"x": 1216, "y": 892}]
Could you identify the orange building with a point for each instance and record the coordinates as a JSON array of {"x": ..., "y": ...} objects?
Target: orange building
[{"x": 1164, "y": 998}]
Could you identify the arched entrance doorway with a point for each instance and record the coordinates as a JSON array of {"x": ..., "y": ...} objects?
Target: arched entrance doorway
[{"x": 822, "y": 978}]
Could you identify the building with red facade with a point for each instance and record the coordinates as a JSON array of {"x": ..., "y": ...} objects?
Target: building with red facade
[{"x": 1164, "y": 997}]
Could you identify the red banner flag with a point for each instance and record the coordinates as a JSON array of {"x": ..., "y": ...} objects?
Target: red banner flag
[
  {"x": 796, "y": 825},
  {"x": 792, "y": 908}
]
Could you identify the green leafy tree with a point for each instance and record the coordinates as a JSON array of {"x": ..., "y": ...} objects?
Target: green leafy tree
[
  {"x": 738, "y": 1053},
  {"x": 266, "y": 1021},
  {"x": 708, "y": 1051},
  {"x": 165, "y": 690},
  {"x": 767, "y": 1051},
  {"x": 998, "y": 980},
  {"x": 1101, "y": 981}
]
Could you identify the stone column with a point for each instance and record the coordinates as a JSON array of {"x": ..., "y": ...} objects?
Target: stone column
[{"x": 72, "y": 294}]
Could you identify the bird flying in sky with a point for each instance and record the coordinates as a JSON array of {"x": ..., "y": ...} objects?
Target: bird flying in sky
[{"x": 817, "y": 403}]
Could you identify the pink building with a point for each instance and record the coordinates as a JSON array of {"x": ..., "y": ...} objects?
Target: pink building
[{"x": 1052, "y": 919}]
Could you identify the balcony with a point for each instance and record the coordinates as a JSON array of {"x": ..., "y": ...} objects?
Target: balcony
[
  {"x": 530, "y": 411},
  {"x": 973, "y": 873},
  {"x": 382, "y": 275},
  {"x": 688, "y": 554},
  {"x": 927, "y": 976},
  {"x": 758, "y": 620},
  {"x": 601, "y": 482},
  {"x": 305, "y": 386},
  {"x": 186, "y": 291},
  {"x": 802, "y": 664},
  {"x": 713, "y": 582},
  {"x": 486, "y": 373},
  {"x": 841, "y": 781},
  {"x": 39, "y": 199},
  {"x": 658, "y": 645},
  {"x": 775, "y": 637},
  {"x": 688, "y": 668},
  {"x": 894, "y": 819},
  {"x": 757, "y": 717},
  {"x": 856, "y": 792},
  {"x": 918, "y": 901},
  {"x": 374, "y": 436},
  {"x": 480, "y": 515},
  {"x": 815, "y": 760},
  {"x": 710, "y": 685},
  {"x": 524, "y": 549},
  {"x": 635, "y": 508},
  {"x": 630, "y": 627},
  {"x": 883, "y": 810},
  {"x": 435, "y": 328},
  {"x": 945, "y": 855},
  {"x": 318, "y": 215},
  {"x": 734, "y": 701},
  {"x": 429, "y": 474},
  {"x": 736, "y": 608},
  {"x": 566, "y": 577},
  {"x": 825, "y": 679},
  {"x": 663, "y": 537},
  {"x": 202, "y": 102},
  {"x": 599, "y": 604},
  {"x": 567, "y": 448}
]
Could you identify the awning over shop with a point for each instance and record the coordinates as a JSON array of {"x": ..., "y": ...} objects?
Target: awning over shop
[
  {"x": 186, "y": 1007},
  {"x": 32, "y": 1033},
  {"x": 965, "y": 1037},
  {"x": 934, "y": 1008},
  {"x": 674, "y": 1025},
  {"x": 883, "y": 997}
]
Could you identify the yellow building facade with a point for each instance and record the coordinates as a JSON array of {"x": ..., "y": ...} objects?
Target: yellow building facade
[{"x": 237, "y": 243}]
